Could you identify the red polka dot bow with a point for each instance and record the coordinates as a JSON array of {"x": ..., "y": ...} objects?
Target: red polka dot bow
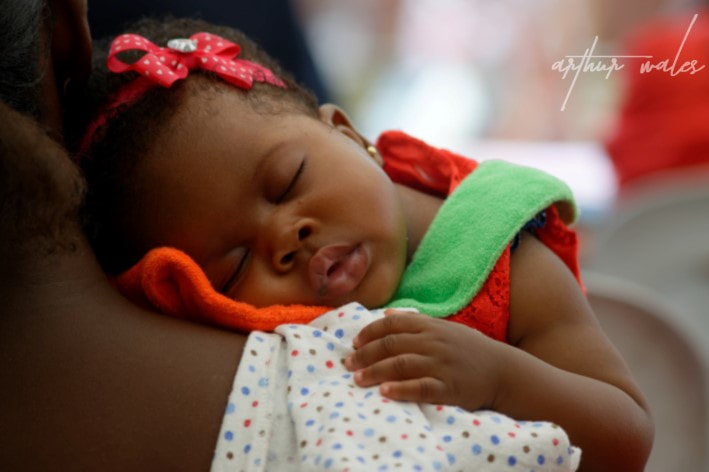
[{"x": 202, "y": 50}]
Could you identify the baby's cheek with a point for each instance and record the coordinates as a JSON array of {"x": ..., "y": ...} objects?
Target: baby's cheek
[
  {"x": 261, "y": 288},
  {"x": 382, "y": 285}
]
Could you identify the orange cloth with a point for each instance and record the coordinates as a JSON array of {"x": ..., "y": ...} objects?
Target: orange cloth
[{"x": 169, "y": 280}]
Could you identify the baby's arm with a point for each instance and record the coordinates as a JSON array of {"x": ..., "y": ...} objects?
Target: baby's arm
[
  {"x": 574, "y": 375},
  {"x": 560, "y": 366}
]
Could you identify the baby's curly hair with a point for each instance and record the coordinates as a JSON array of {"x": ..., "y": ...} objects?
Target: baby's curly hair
[{"x": 116, "y": 147}]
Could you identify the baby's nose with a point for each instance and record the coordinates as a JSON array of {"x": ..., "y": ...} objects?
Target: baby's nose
[{"x": 291, "y": 242}]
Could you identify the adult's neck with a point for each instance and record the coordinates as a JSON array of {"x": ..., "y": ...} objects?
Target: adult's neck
[
  {"x": 66, "y": 331},
  {"x": 33, "y": 282}
]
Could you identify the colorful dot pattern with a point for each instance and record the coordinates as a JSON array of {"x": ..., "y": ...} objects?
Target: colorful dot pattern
[{"x": 295, "y": 407}]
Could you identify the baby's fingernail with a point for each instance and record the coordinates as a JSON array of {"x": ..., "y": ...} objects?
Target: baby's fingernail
[
  {"x": 358, "y": 377},
  {"x": 399, "y": 311},
  {"x": 355, "y": 342},
  {"x": 348, "y": 362},
  {"x": 385, "y": 389}
]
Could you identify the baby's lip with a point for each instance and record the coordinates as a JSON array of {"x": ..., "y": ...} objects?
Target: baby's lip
[{"x": 337, "y": 269}]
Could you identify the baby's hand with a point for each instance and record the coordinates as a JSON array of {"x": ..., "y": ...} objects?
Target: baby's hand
[{"x": 421, "y": 359}]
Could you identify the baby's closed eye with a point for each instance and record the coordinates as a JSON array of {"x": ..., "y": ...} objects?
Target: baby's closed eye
[
  {"x": 235, "y": 266},
  {"x": 288, "y": 189}
]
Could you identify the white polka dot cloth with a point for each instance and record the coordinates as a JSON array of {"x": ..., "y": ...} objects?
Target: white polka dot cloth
[{"x": 295, "y": 407}]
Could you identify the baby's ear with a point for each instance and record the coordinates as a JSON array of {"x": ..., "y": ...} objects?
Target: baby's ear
[{"x": 334, "y": 116}]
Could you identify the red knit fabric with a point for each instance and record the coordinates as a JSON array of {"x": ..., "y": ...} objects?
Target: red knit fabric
[
  {"x": 412, "y": 162},
  {"x": 489, "y": 311}
]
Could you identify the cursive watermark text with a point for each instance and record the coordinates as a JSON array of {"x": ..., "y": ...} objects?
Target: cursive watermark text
[{"x": 589, "y": 62}]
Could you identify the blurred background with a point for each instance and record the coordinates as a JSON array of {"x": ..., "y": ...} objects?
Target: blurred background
[{"x": 477, "y": 77}]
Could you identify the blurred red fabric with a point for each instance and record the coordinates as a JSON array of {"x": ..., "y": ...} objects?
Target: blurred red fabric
[{"x": 664, "y": 120}]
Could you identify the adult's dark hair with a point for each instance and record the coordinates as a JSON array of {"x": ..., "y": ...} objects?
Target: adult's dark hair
[
  {"x": 25, "y": 53},
  {"x": 118, "y": 146},
  {"x": 40, "y": 190}
]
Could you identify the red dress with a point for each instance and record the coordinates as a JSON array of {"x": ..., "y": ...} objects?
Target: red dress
[{"x": 411, "y": 162}]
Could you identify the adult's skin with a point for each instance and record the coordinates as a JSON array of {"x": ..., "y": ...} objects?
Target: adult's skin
[{"x": 89, "y": 381}]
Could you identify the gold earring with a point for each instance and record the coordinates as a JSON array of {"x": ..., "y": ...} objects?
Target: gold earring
[{"x": 374, "y": 154}]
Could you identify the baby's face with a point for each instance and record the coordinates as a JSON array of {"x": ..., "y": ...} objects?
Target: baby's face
[{"x": 276, "y": 208}]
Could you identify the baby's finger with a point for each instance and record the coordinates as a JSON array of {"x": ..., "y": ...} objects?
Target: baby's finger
[
  {"x": 403, "y": 367},
  {"x": 394, "y": 323},
  {"x": 379, "y": 349},
  {"x": 422, "y": 390}
]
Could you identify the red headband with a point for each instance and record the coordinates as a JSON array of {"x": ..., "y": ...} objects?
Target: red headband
[{"x": 164, "y": 66}]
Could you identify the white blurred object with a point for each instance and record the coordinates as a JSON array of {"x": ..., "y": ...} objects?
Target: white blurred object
[
  {"x": 443, "y": 104},
  {"x": 341, "y": 36},
  {"x": 658, "y": 236},
  {"x": 584, "y": 166},
  {"x": 497, "y": 54},
  {"x": 666, "y": 358}
]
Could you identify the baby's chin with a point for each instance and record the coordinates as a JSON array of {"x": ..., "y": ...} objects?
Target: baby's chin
[
  {"x": 378, "y": 297},
  {"x": 377, "y": 302}
]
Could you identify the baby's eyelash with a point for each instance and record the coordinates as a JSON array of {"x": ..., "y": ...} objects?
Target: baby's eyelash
[{"x": 292, "y": 183}]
